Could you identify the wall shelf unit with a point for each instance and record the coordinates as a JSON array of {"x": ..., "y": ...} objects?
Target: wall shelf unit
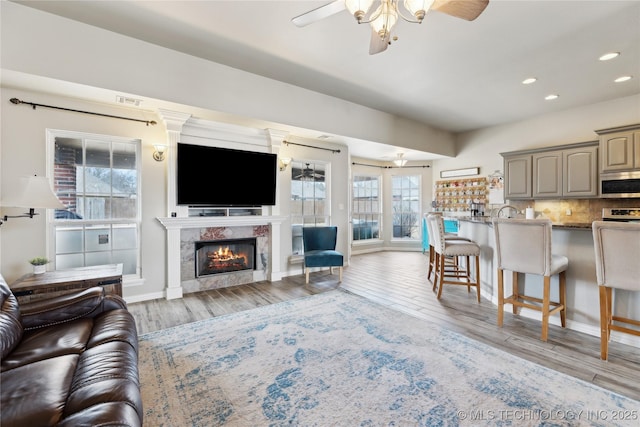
[{"x": 455, "y": 195}]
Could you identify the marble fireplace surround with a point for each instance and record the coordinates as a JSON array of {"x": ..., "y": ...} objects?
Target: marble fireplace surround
[{"x": 183, "y": 232}]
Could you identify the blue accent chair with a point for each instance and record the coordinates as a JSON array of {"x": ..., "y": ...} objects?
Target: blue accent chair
[{"x": 320, "y": 249}]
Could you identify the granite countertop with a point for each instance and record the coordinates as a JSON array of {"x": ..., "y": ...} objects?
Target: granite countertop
[{"x": 487, "y": 220}]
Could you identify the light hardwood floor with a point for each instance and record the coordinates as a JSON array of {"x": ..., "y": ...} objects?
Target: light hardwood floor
[{"x": 398, "y": 280}]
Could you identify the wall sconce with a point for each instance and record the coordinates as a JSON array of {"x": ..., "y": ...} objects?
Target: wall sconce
[
  {"x": 284, "y": 162},
  {"x": 158, "y": 155},
  {"x": 33, "y": 192},
  {"x": 400, "y": 161}
]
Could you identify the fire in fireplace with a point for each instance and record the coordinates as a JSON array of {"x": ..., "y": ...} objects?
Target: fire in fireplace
[{"x": 225, "y": 256}]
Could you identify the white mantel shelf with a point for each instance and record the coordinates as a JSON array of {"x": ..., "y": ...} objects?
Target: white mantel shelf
[{"x": 173, "y": 225}]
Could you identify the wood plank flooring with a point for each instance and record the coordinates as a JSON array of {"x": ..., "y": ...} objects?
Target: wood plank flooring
[{"x": 397, "y": 280}]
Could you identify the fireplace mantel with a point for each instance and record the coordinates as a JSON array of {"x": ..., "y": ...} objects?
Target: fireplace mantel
[
  {"x": 218, "y": 221},
  {"x": 173, "y": 225}
]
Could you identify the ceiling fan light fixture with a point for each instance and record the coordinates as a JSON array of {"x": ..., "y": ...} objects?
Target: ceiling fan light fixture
[
  {"x": 386, "y": 17},
  {"x": 418, "y": 8},
  {"x": 400, "y": 161},
  {"x": 358, "y": 8}
]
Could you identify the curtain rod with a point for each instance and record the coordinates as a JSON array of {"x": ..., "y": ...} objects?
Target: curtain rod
[
  {"x": 391, "y": 167},
  {"x": 311, "y": 146},
  {"x": 34, "y": 105}
]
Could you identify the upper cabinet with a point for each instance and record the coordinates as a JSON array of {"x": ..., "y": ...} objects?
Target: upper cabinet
[
  {"x": 552, "y": 173},
  {"x": 620, "y": 149},
  {"x": 517, "y": 176}
]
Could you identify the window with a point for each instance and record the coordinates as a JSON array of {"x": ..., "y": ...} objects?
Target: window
[
  {"x": 406, "y": 206},
  {"x": 309, "y": 206},
  {"x": 98, "y": 178},
  {"x": 366, "y": 207}
]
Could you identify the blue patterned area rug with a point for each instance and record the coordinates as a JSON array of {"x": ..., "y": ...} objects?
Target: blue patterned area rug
[{"x": 337, "y": 359}]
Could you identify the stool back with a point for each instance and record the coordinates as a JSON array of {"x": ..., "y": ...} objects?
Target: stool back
[
  {"x": 617, "y": 250},
  {"x": 523, "y": 245}
]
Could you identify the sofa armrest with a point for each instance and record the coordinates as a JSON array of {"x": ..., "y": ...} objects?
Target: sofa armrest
[{"x": 64, "y": 308}]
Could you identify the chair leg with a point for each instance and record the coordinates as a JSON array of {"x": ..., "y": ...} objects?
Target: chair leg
[
  {"x": 306, "y": 272},
  {"x": 440, "y": 275},
  {"x": 478, "y": 276},
  {"x": 468, "y": 268},
  {"x": 604, "y": 323},
  {"x": 500, "y": 296},
  {"x": 545, "y": 307},
  {"x": 563, "y": 298},
  {"x": 436, "y": 264},
  {"x": 515, "y": 291},
  {"x": 340, "y": 274},
  {"x": 431, "y": 251}
]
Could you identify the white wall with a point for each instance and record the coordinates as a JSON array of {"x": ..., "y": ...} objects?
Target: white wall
[
  {"x": 483, "y": 147},
  {"x": 23, "y": 152},
  {"x": 43, "y": 44}
]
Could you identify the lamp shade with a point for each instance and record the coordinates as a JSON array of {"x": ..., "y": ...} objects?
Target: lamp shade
[
  {"x": 386, "y": 17},
  {"x": 33, "y": 192}
]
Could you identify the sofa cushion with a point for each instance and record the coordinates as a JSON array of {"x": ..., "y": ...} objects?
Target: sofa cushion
[
  {"x": 114, "y": 325},
  {"x": 35, "y": 394},
  {"x": 105, "y": 373},
  {"x": 10, "y": 325},
  {"x": 41, "y": 344}
]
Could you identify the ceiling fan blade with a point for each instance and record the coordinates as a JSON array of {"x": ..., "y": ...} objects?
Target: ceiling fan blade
[
  {"x": 319, "y": 13},
  {"x": 377, "y": 44},
  {"x": 464, "y": 9}
]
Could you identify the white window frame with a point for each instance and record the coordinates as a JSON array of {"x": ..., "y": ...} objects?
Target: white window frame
[
  {"x": 310, "y": 219},
  {"x": 52, "y": 222},
  {"x": 417, "y": 201},
  {"x": 378, "y": 214}
]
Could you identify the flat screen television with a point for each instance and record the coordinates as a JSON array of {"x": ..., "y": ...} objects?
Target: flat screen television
[{"x": 222, "y": 177}]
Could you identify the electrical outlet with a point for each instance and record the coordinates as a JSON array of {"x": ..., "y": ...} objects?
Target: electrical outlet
[{"x": 568, "y": 212}]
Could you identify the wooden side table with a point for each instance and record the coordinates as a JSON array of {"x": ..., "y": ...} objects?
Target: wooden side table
[{"x": 32, "y": 287}]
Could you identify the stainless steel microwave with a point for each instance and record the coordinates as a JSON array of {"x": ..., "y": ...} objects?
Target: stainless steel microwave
[{"x": 620, "y": 184}]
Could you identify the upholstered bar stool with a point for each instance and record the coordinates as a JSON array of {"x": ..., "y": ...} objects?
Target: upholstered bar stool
[
  {"x": 450, "y": 262},
  {"x": 524, "y": 246},
  {"x": 617, "y": 250},
  {"x": 451, "y": 248}
]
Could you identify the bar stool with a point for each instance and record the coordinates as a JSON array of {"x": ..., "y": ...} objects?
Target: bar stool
[
  {"x": 617, "y": 250},
  {"x": 524, "y": 246},
  {"x": 450, "y": 262},
  {"x": 453, "y": 248}
]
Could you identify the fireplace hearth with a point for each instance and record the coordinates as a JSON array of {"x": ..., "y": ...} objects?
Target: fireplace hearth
[{"x": 224, "y": 256}]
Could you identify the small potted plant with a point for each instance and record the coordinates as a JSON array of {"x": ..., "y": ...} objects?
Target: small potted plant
[{"x": 39, "y": 264}]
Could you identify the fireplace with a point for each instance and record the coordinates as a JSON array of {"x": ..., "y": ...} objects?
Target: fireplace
[{"x": 224, "y": 256}]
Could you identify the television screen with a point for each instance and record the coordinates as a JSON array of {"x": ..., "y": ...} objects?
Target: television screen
[{"x": 211, "y": 176}]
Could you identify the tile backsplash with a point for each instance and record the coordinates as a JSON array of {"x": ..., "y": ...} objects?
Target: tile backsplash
[{"x": 568, "y": 211}]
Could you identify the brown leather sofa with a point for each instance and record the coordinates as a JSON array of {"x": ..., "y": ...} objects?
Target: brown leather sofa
[{"x": 68, "y": 361}]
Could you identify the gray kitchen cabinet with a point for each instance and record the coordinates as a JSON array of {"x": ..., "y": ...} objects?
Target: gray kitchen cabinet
[
  {"x": 547, "y": 174},
  {"x": 552, "y": 173},
  {"x": 517, "y": 174},
  {"x": 580, "y": 172},
  {"x": 620, "y": 149}
]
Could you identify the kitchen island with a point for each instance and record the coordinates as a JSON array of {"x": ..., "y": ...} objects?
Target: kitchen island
[{"x": 573, "y": 240}]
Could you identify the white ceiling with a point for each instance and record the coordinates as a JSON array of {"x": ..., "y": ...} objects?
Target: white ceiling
[{"x": 449, "y": 73}]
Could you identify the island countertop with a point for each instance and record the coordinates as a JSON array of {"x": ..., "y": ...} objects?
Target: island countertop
[{"x": 487, "y": 220}]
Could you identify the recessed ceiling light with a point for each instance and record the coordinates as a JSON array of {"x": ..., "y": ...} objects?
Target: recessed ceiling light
[
  {"x": 608, "y": 56},
  {"x": 551, "y": 97},
  {"x": 529, "y": 80},
  {"x": 623, "y": 79}
]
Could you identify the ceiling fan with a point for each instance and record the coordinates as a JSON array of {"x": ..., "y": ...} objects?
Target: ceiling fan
[
  {"x": 309, "y": 174},
  {"x": 384, "y": 17}
]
